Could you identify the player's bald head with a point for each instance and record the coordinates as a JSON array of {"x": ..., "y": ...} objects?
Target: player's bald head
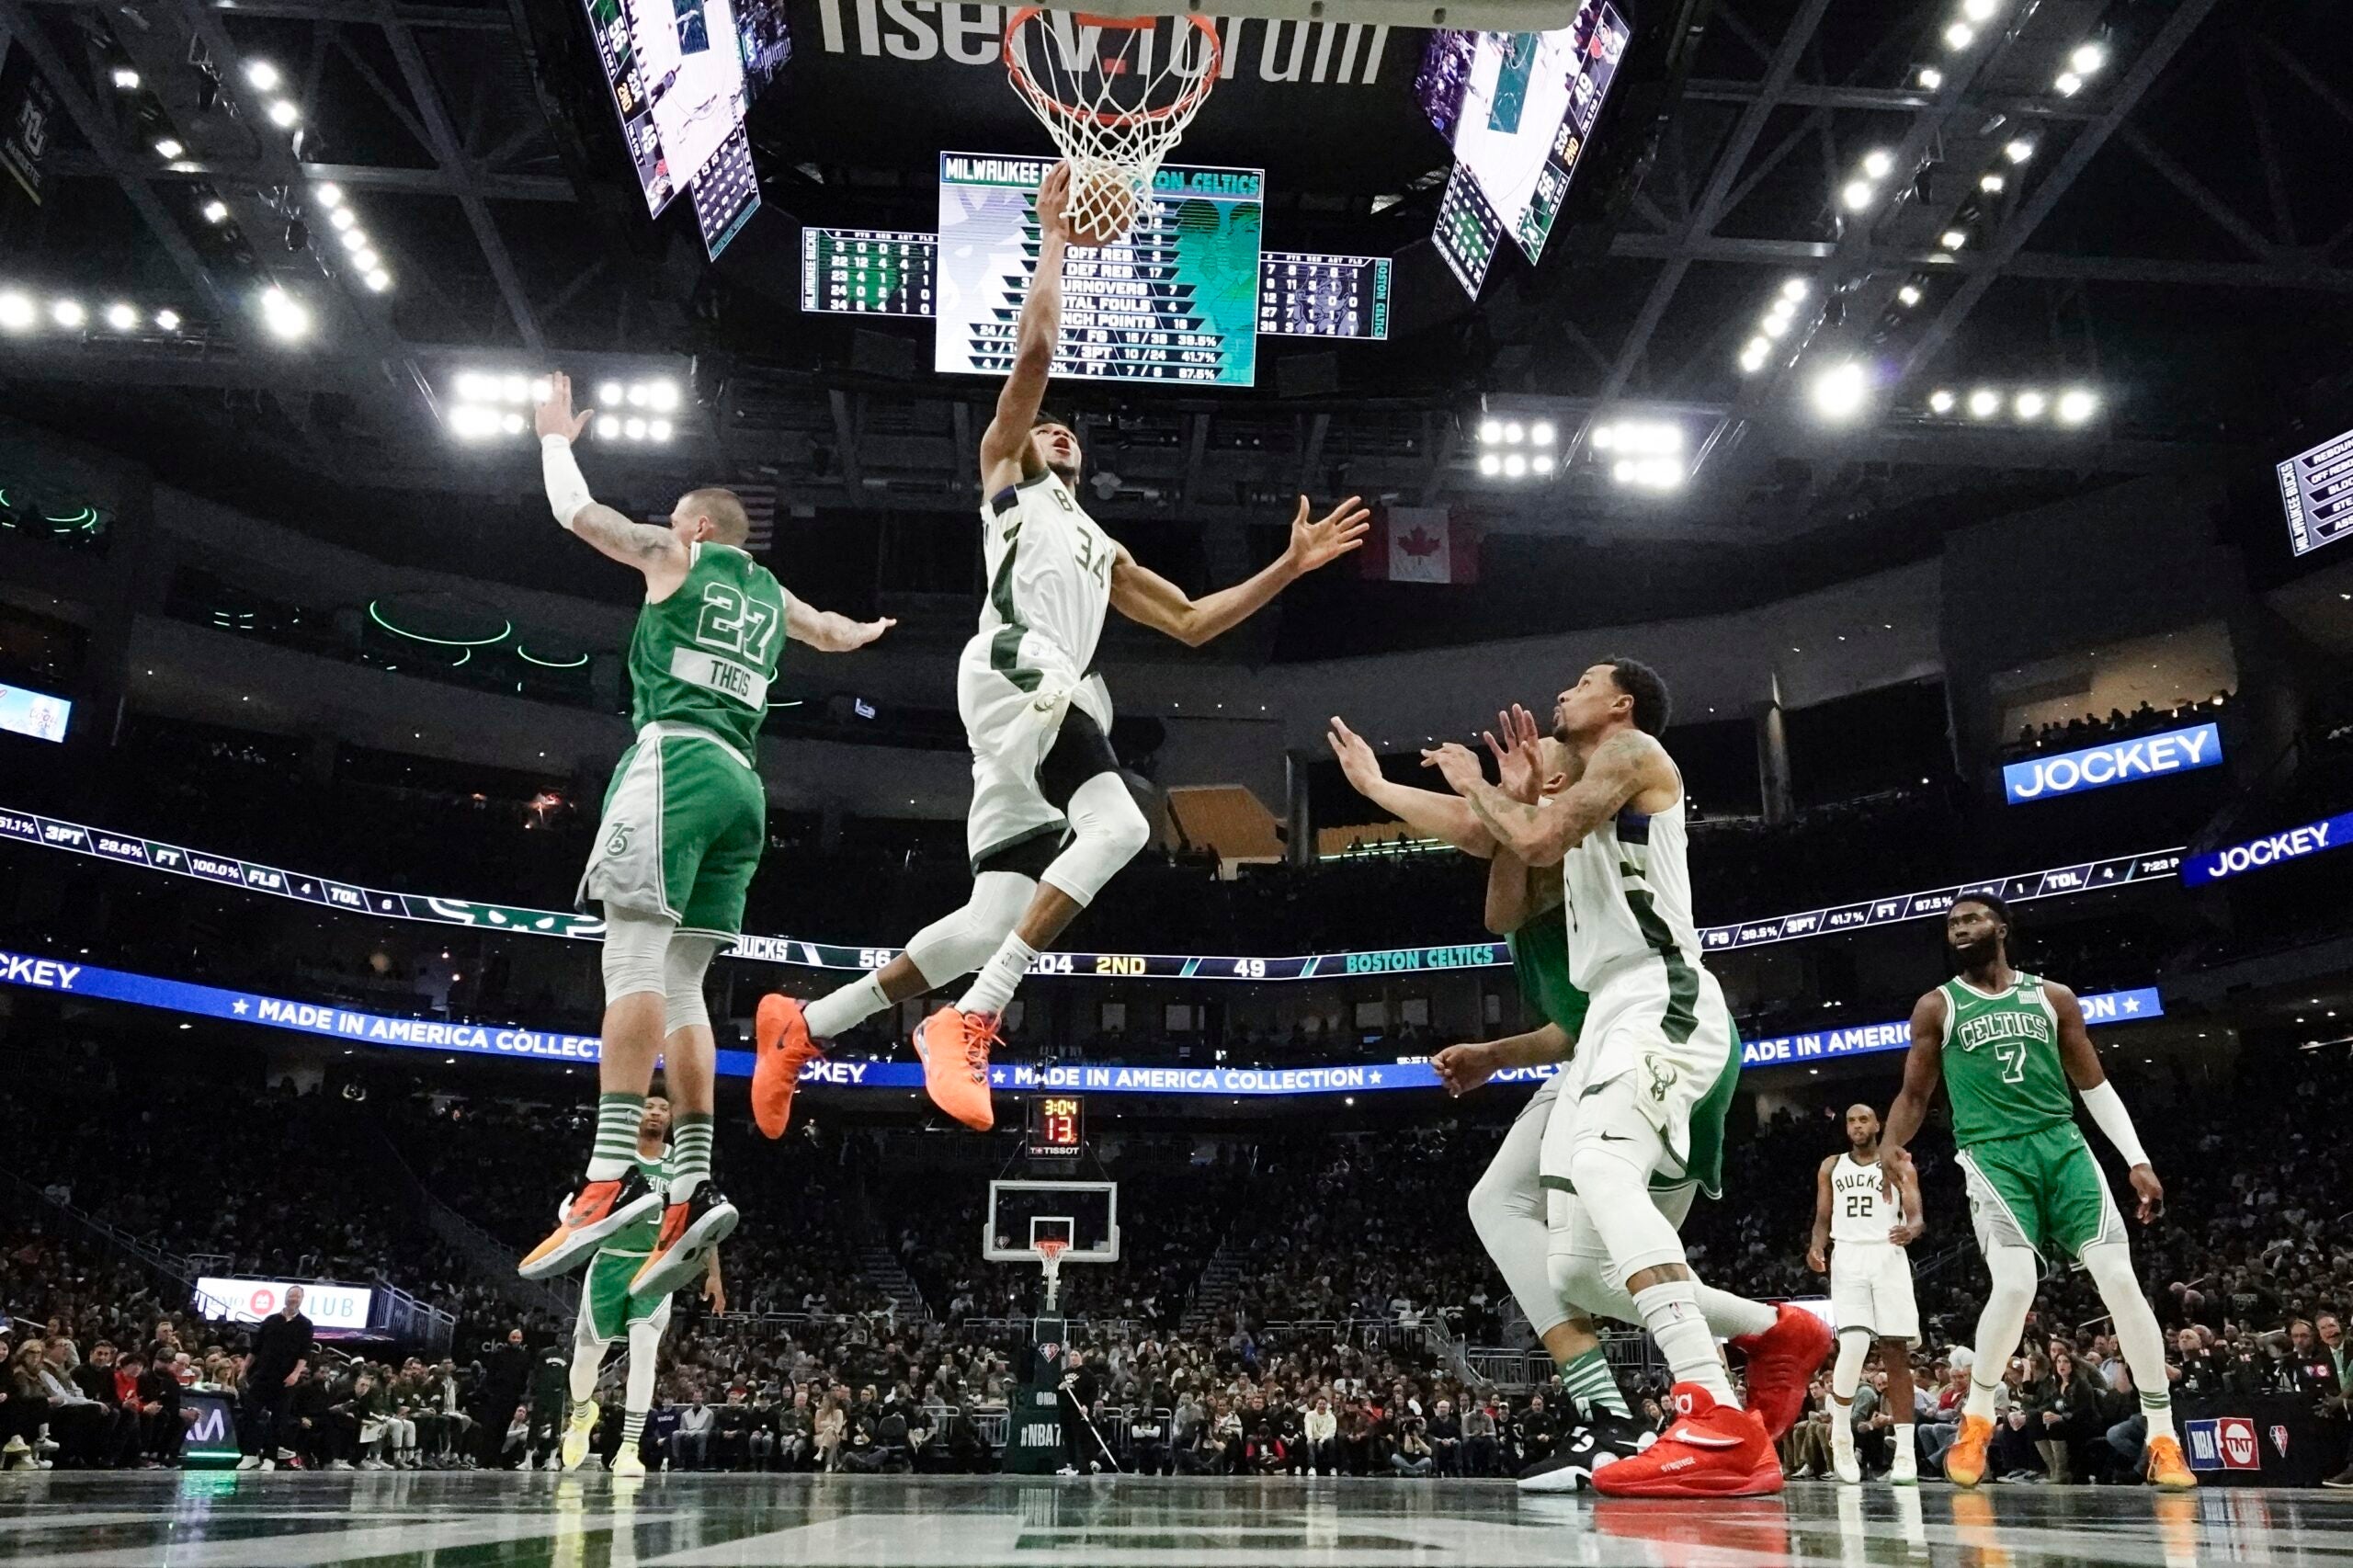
[{"x": 722, "y": 508}]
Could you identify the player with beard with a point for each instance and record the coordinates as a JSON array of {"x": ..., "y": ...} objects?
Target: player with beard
[
  {"x": 1871, "y": 1220},
  {"x": 1658, "y": 1045},
  {"x": 1050, "y": 818},
  {"x": 2006, "y": 1046}
]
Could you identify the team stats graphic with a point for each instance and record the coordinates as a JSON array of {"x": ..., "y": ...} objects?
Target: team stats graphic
[{"x": 1178, "y": 301}]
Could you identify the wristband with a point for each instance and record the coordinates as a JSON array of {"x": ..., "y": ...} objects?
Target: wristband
[{"x": 567, "y": 490}]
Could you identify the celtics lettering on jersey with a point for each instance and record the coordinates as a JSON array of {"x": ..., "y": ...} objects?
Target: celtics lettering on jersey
[
  {"x": 2001, "y": 1061},
  {"x": 706, "y": 654}
]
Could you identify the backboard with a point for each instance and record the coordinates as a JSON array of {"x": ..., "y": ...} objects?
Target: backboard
[{"x": 1085, "y": 1214}]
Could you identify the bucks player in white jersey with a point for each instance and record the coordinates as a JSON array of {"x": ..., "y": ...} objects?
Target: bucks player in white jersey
[
  {"x": 683, "y": 826},
  {"x": 1657, "y": 1042},
  {"x": 1050, "y": 818},
  {"x": 1865, "y": 1222}
]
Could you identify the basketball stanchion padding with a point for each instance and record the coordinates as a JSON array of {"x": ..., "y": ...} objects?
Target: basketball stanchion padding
[{"x": 1115, "y": 93}]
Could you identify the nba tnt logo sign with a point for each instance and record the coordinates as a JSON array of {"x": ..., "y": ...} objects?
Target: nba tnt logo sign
[
  {"x": 211, "y": 1427},
  {"x": 2226, "y": 1442}
]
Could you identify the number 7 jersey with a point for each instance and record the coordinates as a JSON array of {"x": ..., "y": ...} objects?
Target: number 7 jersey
[
  {"x": 2001, "y": 1061},
  {"x": 705, "y": 655}
]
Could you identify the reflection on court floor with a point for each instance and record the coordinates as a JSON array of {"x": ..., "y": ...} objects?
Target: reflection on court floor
[{"x": 227, "y": 1520}]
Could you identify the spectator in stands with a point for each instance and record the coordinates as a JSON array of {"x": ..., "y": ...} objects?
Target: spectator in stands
[
  {"x": 1479, "y": 1450},
  {"x": 1322, "y": 1430},
  {"x": 831, "y": 1425},
  {"x": 1411, "y": 1454},
  {"x": 282, "y": 1349},
  {"x": 1148, "y": 1443},
  {"x": 691, "y": 1446},
  {"x": 506, "y": 1374},
  {"x": 796, "y": 1433},
  {"x": 1446, "y": 1438},
  {"x": 730, "y": 1436}
]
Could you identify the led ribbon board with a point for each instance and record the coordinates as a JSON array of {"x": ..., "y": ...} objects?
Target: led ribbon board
[
  {"x": 89, "y": 981},
  {"x": 2119, "y": 762},
  {"x": 50, "y": 833},
  {"x": 2272, "y": 849}
]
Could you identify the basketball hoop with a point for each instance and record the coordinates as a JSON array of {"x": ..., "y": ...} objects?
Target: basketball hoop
[
  {"x": 1112, "y": 108},
  {"x": 1050, "y": 1258}
]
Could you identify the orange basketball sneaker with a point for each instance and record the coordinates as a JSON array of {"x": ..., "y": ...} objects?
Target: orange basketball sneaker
[
  {"x": 2166, "y": 1468},
  {"x": 1965, "y": 1460},
  {"x": 782, "y": 1047},
  {"x": 955, "y": 1051},
  {"x": 1781, "y": 1363},
  {"x": 1712, "y": 1450},
  {"x": 584, "y": 1220}
]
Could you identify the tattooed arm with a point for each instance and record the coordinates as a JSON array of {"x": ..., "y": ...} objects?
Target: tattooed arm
[{"x": 1626, "y": 764}]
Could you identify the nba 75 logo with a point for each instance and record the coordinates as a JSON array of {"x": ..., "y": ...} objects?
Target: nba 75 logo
[{"x": 617, "y": 841}]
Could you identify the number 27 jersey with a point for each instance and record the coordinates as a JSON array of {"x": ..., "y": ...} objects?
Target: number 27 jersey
[
  {"x": 705, "y": 655},
  {"x": 2001, "y": 1061}
]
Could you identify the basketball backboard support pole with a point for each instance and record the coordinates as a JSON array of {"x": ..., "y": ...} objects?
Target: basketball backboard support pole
[{"x": 1495, "y": 16}]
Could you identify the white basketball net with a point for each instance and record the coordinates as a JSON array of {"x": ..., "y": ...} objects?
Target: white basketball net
[
  {"x": 1115, "y": 94},
  {"x": 1050, "y": 1258}
]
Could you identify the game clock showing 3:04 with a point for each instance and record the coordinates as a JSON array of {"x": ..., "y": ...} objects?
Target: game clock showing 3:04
[{"x": 1057, "y": 1131}]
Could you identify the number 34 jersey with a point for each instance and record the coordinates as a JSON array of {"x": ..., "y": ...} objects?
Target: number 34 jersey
[
  {"x": 705, "y": 655},
  {"x": 2001, "y": 1061}
]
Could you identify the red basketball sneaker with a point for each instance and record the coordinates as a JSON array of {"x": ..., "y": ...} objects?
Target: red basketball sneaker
[
  {"x": 955, "y": 1051},
  {"x": 782, "y": 1046},
  {"x": 1781, "y": 1362},
  {"x": 1712, "y": 1450}
]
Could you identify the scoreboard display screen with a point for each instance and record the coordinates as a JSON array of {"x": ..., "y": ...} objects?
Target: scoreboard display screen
[
  {"x": 726, "y": 193},
  {"x": 870, "y": 272},
  {"x": 1176, "y": 301},
  {"x": 1324, "y": 296},
  {"x": 2316, "y": 488},
  {"x": 1468, "y": 231},
  {"x": 1057, "y": 1127}
]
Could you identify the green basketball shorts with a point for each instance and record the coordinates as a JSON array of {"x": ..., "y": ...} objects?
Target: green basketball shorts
[
  {"x": 607, "y": 1308},
  {"x": 2041, "y": 1189},
  {"x": 683, "y": 823}
]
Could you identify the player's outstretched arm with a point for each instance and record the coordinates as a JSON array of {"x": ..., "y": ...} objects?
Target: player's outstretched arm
[
  {"x": 1817, "y": 1247},
  {"x": 1462, "y": 1068},
  {"x": 828, "y": 632},
  {"x": 2100, "y": 1098},
  {"x": 1426, "y": 812},
  {"x": 1007, "y": 454},
  {"x": 1541, "y": 832},
  {"x": 656, "y": 553},
  {"x": 1512, "y": 896},
  {"x": 1150, "y": 599},
  {"x": 1923, "y": 1069}
]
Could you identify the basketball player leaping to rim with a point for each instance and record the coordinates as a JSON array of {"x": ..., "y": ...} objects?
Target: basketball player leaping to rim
[{"x": 1050, "y": 820}]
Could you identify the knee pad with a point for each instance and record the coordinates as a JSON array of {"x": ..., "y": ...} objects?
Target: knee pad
[
  {"x": 1107, "y": 832},
  {"x": 1854, "y": 1349},
  {"x": 958, "y": 944},
  {"x": 683, "y": 967},
  {"x": 636, "y": 956}
]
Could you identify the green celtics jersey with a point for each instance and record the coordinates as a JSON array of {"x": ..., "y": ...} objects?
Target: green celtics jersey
[
  {"x": 2001, "y": 1061},
  {"x": 1540, "y": 961},
  {"x": 637, "y": 1238},
  {"x": 705, "y": 655}
]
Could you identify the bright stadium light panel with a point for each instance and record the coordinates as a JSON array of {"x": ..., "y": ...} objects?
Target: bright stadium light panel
[
  {"x": 126, "y": 79},
  {"x": 1940, "y": 401},
  {"x": 1984, "y": 403},
  {"x": 216, "y": 211},
  {"x": 1542, "y": 463},
  {"x": 662, "y": 396},
  {"x": 2077, "y": 404},
  {"x": 353, "y": 239},
  {"x": 368, "y": 261},
  {"x": 474, "y": 387},
  {"x": 167, "y": 321},
  {"x": 1795, "y": 289},
  {"x": 658, "y": 429},
  {"x": 2029, "y": 405},
  {"x": 473, "y": 422},
  {"x": 121, "y": 317},
  {"x": 2018, "y": 151},
  {"x": 283, "y": 114},
  {"x": 1879, "y": 162},
  {"x": 540, "y": 390},
  {"x": 1839, "y": 389},
  {"x": 2068, "y": 84},
  {"x": 2088, "y": 58},
  {"x": 68, "y": 313},
  {"x": 1490, "y": 464},
  {"x": 609, "y": 395},
  {"x": 1992, "y": 183},
  {"x": 1776, "y": 327},
  {"x": 330, "y": 194},
  {"x": 261, "y": 76},
  {"x": 1960, "y": 35},
  {"x": 1857, "y": 195},
  {"x": 512, "y": 423},
  {"x": 515, "y": 389},
  {"x": 377, "y": 281},
  {"x": 1952, "y": 239},
  {"x": 1490, "y": 431},
  {"x": 1931, "y": 78},
  {"x": 1753, "y": 357},
  {"x": 168, "y": 147},
  {"x": 609, "y": 427},
  {"x": 1980, "y": 10},
  {"x": 1542, "y": 433},
  {"x": 1515, "y": 467},
  {"x": 286, "y": 316},
  {"x": 17, "y": 314},
  {"x": 1514, "y": 433},
  {"x": 342, "y": 217},
  {"x": 1908, "y": 296},
  {"x": 633, "y": 428}
]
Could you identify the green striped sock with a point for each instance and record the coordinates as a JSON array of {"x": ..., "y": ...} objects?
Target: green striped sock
[
  {"x": 615, "y": 1150},
  {"x": 690, "y": 1153},
  {"x": 1587, "y": 1379},
  {"x": 633, "y": 1430}
]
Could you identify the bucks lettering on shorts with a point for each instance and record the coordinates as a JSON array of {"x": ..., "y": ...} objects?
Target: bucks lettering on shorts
[
  {"x": 706, "y": 654},
  {"x": 2001, "y": 1061}
]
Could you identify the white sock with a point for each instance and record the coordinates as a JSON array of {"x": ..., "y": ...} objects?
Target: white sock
[
  {"x": 1671, "y": 1311},
  {"x": 1734, "y": 1316},
  {"x": 992, "y": 986},
  {"x": 839, "y": 1011},
  {"x": 1907, "y": 1456},
  {"x": 1842, "y": 1425},
  {"x": 1980, "y": 1403}
]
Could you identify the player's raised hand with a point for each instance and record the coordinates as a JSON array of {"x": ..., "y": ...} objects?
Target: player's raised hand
[
  {"x": 1462, "y": 1068},
  {"x": 2143, "y": 1177},
  {"x": 861, "y": 633},
  {"x": 1457, "y": 765},
  {"x": 1519, "y": 759},
  {"x": 1329, "y": 537},
  {"x": 1053, "y": 202},
  {"x": 1358, "y": 765},
  {"x": 553, "y": 414}
]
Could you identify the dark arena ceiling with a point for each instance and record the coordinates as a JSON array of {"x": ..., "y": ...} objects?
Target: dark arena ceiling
[{"x": 2173, "y": 237}]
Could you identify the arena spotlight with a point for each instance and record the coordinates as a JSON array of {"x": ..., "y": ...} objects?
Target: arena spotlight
[
  {"x": 609, "y": 427},
  {"x": 1839, "y": 389},
  {"x": 1980, "y": 10},
  {"x": 261, "y": 76},
  {"x": 1952, "y": 239},
  {"x": 121, "y": 317},
  {"x": 1541, "y": 463},
  {"x": 1515, "y": 466},
  {"x": 1491, "y": 431},
  {"x": 1992, "y": 183},
  {"x": 168, "y": 147},
  {"x": 1543, "y": 432},
  {"x": 342, "y": 217},
  {"x": 354, "y": 239},
  {"x": 167, "y": 321},
  {"x": 287, "y": 317},
  {"x": 662, "y": 396},
  {"x": 2029, "y": 405},
  {"x": 377, "y": 281},
  {"x": 1908, "y": 296},
  {"x": 609, "y": 395},
  {"x": 68, "y": 313},
  {"x": 1753, "y": 357},
  {"x": 1795, "y": 289},
  {"x": 475, "y": 387},
  {"x": 1654, "y": 473},
  {"x": 1877, "y": 162},
  {"x": 1490, "y": 463},
  {"x": 1984, "y": 403},
  {"x": 1776, "y": 327},
  {"x": 658, "y": 429},
  {"x": 283, "y": 114},
  {"x": 126, "y": 79},
  {"x": 1931, "y": 78},
  {"x": 2019, "y": 150},
  {"x": 1857, "y": 195},
  {"x": 368, "y": 261},
  {"x": 216, "y": 211},
  {"x": 1960, "y": 35},
  {"x": 2068, "y": 84},
  {"x": 1940, "y": 401},
  {"x": 1640, "y": 438},
  {"x": 633, "y": 428},
  {"x": 2089, "y": 59},
  {"x": 473, "y": 422},
  {"x": 16, "y": 312},
  {"x": 2077, "y": 404},
  {"x": 328, "y": 193}
]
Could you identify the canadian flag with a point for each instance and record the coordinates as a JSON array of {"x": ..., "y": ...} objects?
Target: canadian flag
[{"x": 1420, "y": 544}]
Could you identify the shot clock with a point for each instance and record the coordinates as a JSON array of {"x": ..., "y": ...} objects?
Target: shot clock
[{"x": 1057, "y": 1130}]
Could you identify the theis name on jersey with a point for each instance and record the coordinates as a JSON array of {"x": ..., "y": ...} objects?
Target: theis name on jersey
[{"x": 2006, "y": 1024}]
